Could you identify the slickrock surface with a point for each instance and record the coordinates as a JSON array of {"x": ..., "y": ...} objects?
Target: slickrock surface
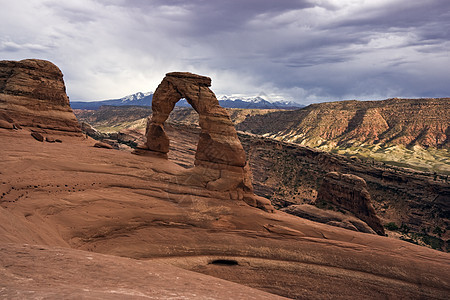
[
  {"x": 73, "y": 195},
  {"x": 220, "y": 161},
  {"x": 42, "y": 272},
  {"x": 33, "y": 95},
  {"x": 349, "y": 192}
]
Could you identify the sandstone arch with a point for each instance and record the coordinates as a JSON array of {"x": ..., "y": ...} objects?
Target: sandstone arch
[
  {"x": 220, "y": 160},
  {"x": 218, "y": 143}
]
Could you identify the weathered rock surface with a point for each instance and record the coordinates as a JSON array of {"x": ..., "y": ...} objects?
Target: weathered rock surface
[
  {"x": 91, "y": 131},
  {"x": 328, "y": 217},
  {"x": 349, "y": 192},
  {"x": 290, "y": 174},
  {"x": 50, "y": 139},
  {"x": 33, "y": 94},
  {"x": 6, "y": 125},
  {"x": 218, "y": 142},
  {"x": 75, "y": 196},
  {"x": 130, "y": 206},
  {"x": 61, "y": 273},
  {"x": 220, "y": 161},
  {"x": 103, "y": 145},
  {"x": 39, "y": 137}
]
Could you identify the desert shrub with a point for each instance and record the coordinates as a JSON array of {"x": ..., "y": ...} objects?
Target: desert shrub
[
  {"x": 434, "y": 242},
  {"x": 391, "y": 226},
  {"x": 404, "y": 229},
  {"x": 438, "y": 231},
  {"x": 409, "y": 240}
]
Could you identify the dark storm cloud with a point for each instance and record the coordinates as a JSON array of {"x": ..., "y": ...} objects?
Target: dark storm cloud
[{"x": 305, "y": 51}]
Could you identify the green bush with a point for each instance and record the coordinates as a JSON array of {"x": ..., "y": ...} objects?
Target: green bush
[
  {"x": 438, "y": 231},
  {"x": 434, "y": 242},
  {"x": 391, "y": 226}
]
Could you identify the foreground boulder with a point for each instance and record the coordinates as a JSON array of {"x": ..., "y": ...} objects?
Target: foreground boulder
[
  {"x": 349, "y": 192},
  {"x": 220, "y": 161},
  {"x": 33, "y": 95},
  {"x": 103, "y": 145},
  {"x": 39, "y": 137}
]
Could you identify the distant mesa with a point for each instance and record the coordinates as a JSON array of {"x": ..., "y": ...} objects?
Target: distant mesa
[
  {"x": 33, "y": 95},
  {"x": 406, "y": 122},
  {"x": 220, "y": 160}
]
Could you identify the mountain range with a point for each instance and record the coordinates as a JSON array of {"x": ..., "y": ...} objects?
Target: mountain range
[{"x": 145, "y": 99}]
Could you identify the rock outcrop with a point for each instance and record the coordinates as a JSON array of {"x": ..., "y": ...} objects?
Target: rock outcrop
[
  {"x": 220, "y": 160},
  {"x": 333, "y": 218},
  {"x": 103, "y": 145},
  {"x": 33, "y": 95},
  {"x": 349, "y": 192}
]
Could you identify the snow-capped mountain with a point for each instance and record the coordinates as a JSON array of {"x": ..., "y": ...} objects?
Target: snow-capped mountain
[
  {"x": 256, "y": 102},
  {"x": 139, "y": 99},
  {"x": 145, "y": 99}
]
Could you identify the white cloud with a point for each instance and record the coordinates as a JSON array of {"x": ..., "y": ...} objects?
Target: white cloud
[{"x": 303, "y": 50}]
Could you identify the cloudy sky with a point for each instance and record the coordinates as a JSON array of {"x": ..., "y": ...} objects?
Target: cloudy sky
[{"x": 305, "y": 51}]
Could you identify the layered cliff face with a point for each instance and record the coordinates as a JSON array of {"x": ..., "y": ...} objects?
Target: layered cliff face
[
  {"x": 33, "y": 95},
  {"x": 407, "y": 122},
  {"x": 349, "y": 192},
  {"x": 416, "y": 202}
]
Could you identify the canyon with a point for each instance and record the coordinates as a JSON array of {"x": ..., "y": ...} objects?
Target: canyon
[
  {"x": 289, "y": 174},
  {"x": 404, "y": 132}
]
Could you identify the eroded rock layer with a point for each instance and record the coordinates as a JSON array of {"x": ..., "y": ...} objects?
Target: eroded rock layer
[
  {"x": 33, "y": 95},
  {"x": 220, "y": 161},
  {"x": 349, "y": 192},
  {"x": 406, "y": 122}
]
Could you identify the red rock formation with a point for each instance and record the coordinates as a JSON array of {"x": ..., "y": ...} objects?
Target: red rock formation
[
  {"x": 349, "y": 192},
  {"x": 110, "y": 202},
  {"x": 394, "y": 121},
  {"x": 220, "y": 161},
  {"x": 33, "y": 94},
  {"x": 87, "y": 275},
  {"x": 333, "y": 218}
]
